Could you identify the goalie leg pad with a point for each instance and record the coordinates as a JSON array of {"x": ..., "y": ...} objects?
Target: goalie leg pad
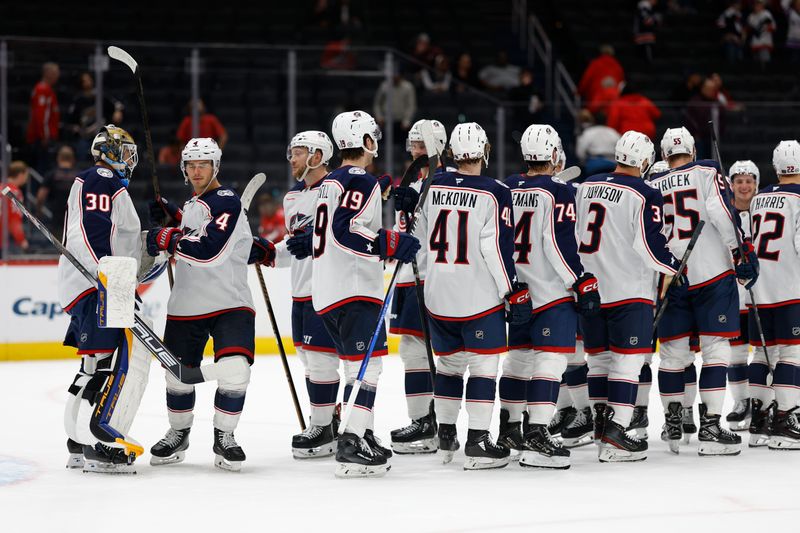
[
  {"x": 231, "y": 391},
  {"x": 74, "y": 395}
]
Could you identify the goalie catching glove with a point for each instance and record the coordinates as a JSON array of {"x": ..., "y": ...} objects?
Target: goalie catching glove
[
  {"x": 396, "y": 245},
  {"x": 747, "y": 267},
  {"x": 262, "y": 252},
  {"x": 518, "y": 304},
  {"x": 588, "y": 295},
  {"x": 166, "y": 239}
]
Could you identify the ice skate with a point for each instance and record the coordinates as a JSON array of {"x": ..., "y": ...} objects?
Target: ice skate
[
  {"x": 617, "y": 445},
  {"x": 315, "y": 441},
  {"x": 784, "y": 431},
  {"x": 560, "y": 420},
  {"x": 448, "y": 442},
  {"x": 103, "y": 459},
  {"x": 355, "y": 458},
  {"x": 416, "y": 438},
  {"x": 75, "y": 459},
  {"x": 171, "y": 449},
  {"x": 542, "y": 451},
  {"x": 375, "y": 443},
  {"x": 510, "y": 435},
  {"x": 739, "y": 418},
  {"x": 689, "y": 427},
  {"x": 580, "y": 430},
  {"x": 760, "y": 416},
  {"x": 229, "y": 455},
  {"x": 713, "y": 438},
  {"x": 599, "y": 421},
  {"x": 482, "y": 453},
  {"x": 672, "y": 430},
  {"x": 639, "y": 422}
]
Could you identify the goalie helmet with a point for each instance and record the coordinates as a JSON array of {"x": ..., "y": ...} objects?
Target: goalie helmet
[
  {"x": 439, "y": 135},
  {"x": 635, "y": 149},
  {"x": 786, "y": 158},
  {"x": 312, "y": 141},
  {"x": 350, "y": 128},
  {"x": 201, "y": 149},
  {"x": 540, "y": 143},
  {"x": 677, "y": 141},
  {"x": 115, "y": 147},
  {"x": 745, "y": 167},
  {"x": 469, "y": 141}
]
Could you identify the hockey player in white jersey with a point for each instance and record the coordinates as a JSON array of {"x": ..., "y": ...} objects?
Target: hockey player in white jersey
[
  {"x": 695, "y": 191},
  {"x": 744, "y": 177},
  {"x": 420, "y": 435},
  {"x": 620, "y": 240},
  {"x": 348, "y": 246},
  {"x": 467, "y": 222},
  {"x": 212, "y": 247},
  {"x": 547, "y": 260},
  {"x": 775, "y": 213}
]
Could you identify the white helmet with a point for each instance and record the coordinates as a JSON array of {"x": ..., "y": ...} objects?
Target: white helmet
[
  {"x": 439, "y": 135},
  {"x": 312, "y": 141},
  {"x": 562, "y": 157},
  {"x": 540, "y": 143},
  {"x": 677, "y": 141},
  {"x": 658, "y": 167},
  {"x": 201, "y": 149},
  {"x": 786, "y": 158},
  {"x": 469, "y": 141},
  {"x": 350, "y": 127},
  {"x": 635, "y": 149},
  {"x": 745, "y": 167}
]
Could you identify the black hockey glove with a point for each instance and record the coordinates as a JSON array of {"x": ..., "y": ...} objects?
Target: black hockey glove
[
  {"x": 405, "y": 199},
  {"x": 588, "y": 295},
  {"x": 162, "y": 208},
  {"x": 397, "y": 245},
  {"x": 300, "y": 244},
  {"x": 747, "y": 269},
  {"x": 518, "y": 304},
  {"x": 385, "y": 182},
  {"x": 262, "y": 252}
]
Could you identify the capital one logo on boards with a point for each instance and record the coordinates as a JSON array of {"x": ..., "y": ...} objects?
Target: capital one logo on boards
[{"x": 28, "y": 307}]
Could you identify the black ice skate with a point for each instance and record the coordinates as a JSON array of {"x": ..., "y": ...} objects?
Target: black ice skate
[
  {"x": 375, "y": 443},
  {"x": 356, "y": 458},
  {"x": 542, "y": 451},
  {"x": 482, "y": 453},
  {"x": 616, "y": 445},
  {"x": 689, "y": 427},
  {"x": 760, "y": 416},
  {"x": 639, "y": 422},
  {"x": 561, "y": 419},
  {"x": 739, "y": 418},
  {"x": 713, "y": 438},
  {"x": 229, "y": 455},
  {"x": 510, "y": 435},
  {"x": 103, "y": 459},
  {"x": 315, "y": 441},
  {"x": 599, "y": 421},
  {"x": 580, "y": 430},
  {"x": 448, "y": 442},
  {"x": 75, "y": 459},
  {"x": 784, "y": 431},
  {"x": 417, "y": 437},
  {"x": 171, "y": 449},
  {"x": 672, "y": 431}
]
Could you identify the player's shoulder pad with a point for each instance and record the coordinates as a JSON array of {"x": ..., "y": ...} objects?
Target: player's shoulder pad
[
  {"x": 223, "y": 199},
  {"x": 503, "y": 185},
  {"x": 708, "y": 163},
  {"x": 101, "y": 178}
]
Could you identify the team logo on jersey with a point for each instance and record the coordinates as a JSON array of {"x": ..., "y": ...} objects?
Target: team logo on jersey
[
  {"x": 104, "y": 172},
  {"x": 545, "y": 332},
  {"x": 299, "y": 221},
  {"x": 357, "y": 170},
  {"x": 633, "y": 341},
  {"x": 459, "y": 180},
  {"x": 306, "y": 339},
  {"x": 360, "y": 345},
  {"x": 84, "y": 337},
  {"x": 796, "y": 331},
  {"x": 722, "y": 319},
  {"x": 224, "y": 192},
  {"x": 479, "y": 334}
]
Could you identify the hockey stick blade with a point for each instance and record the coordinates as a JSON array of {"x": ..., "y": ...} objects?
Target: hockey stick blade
[
  {"x": 681, "y": 269},
  {"x": 569, "y": 174},
  {"x": 115, "y": 52},
  {"x": 256, "y": 182}
]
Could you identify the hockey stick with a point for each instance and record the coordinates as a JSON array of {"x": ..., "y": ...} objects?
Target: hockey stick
[
  {"x": 124, "y": 57},
  {"x": 433, "y": 161},
  {"x": 729, "y": 199},
  {"x": 681, "y": 269},
  {"x": 247, "y": 198},
  {"x": 140, "y": 329}
]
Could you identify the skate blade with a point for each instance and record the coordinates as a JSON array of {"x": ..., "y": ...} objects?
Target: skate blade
[
  {"x": 783, "y": 443},
  {"x": 485, "y": 463},
  {"x": 175, "y": 458},
  {"x": 99, "y": 467},
  {"x": 674, "y": 446},
  {"x": 577, "y": 442},
  {"x": 446, "y": 455},
  {"x": 75, "y": 460},
  {"x": 416, "y": 447},
  {"x": 537, "y": 460},
  {"x": 687, "y": 437},
  {"x": 313, "y": 453},
  {"x": 758, "y": 440},
  {"x": 615, "y": 455},
  {"x": 223, "y": 464},
  {"x": 711, "y": 449},
  {"x": 353, "y": 470}
]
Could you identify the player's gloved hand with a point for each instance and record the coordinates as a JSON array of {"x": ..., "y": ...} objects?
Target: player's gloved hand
[
  {"x": 159, "y": 239},
  {"x": 588, "y": 295},
  {"x": 385, "y": 181},
  {"x": 747, "y": 268},
  {"x": 262, "y": 252},
  {"x": 161, "y": 208},
  {"x": 677, "y": 290},
  {"x": 397, "y": 245},
  {"x": 518, "y": 304},
  {"x": 299, "y": 244},
  {"x": 405, "y": 199}
]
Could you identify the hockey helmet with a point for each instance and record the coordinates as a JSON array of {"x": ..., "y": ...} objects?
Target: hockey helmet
[
  {"x": 634, "y": 149},
  {"x": 469, "y": 141},
  {"x": 201, "y": 149},
  {"x": 745, "y": 167},
  {"x": 540, "y": 142},
  {"x": 350, "y": 127},
  {"x": 312, "y": 141},
  {"x": 439, "y": 135},
  {"x": 786, "y": 158},
  {"x": 115, "y": 147},
  {"x": 677, "y": 141}
]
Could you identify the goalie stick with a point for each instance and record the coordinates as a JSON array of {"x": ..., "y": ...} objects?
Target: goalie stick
[{"x": 247, "y": 198}]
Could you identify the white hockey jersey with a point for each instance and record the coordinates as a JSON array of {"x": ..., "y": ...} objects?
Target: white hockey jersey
[
  {"x": 776, "y": 230},
  {"x": 467, "y": 227},
  {"x": 695, "y": 192},
  {"x": 546, "y": 253},
  {"x": 346, "y": 262},
  {"x": 211, "y": 257},
  {"x": 744, "y": 295},
  {"x": 101, "y": 220},
  {"x": 620, "y": 237}
]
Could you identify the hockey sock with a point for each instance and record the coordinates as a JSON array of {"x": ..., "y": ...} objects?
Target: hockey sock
[
  {"x": 577, "y": 384},
  {"x": 323, "y": 371},
  {"x": 517, "y": 370},
  {"x": 759, "y": 382},
  {"x": 419, "y": 388},
  {"x": 713, "y": 375},
  {"x": 645, "y": 382},
  {"x": 542, "y": 397},
  {"x": 597, "y": 376},
  {"x": 365, "y": 400},
  {"x": 481, "y": 387},
  {"x": 690, "y": 385},
  {"x": 180, "y": 403},
  {"x": 229, "y": 399},
  {"x": 786, "y": 379},
  {"x": 622, "y": 385},
  {"x": 737, "y": 372}
]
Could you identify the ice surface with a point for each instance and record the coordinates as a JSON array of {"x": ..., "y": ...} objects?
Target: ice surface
[{"x": 757, "y": 491}]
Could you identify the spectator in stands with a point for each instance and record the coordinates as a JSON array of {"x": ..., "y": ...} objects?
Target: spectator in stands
[
  {"x": 17, "y": 178},
  {"x": 528, "y": 101},
  {"x": 272, "y": 223},
  {"x": 595, "y": 145},
  {"x": 501, "y": 75},
  {"x": 337, "y": 55},
  {"x": 55, "y": 188},
  {"x": 793, "y": 30},
  {"x": 170, "y": 155},
  {"x": 645, "y": 25},
  {"x": 81, "y": 120},
  {"x": 733, "y": 35},
  {"x": 723, "y": 96},
  {"x": 608, "y": 94},
  {"x": 464, "y": 72},
  {"x": 423, "y": 51},
  {"x": 45, "y": 118},
  {"x": 603, "y": 71},
  {"x": 210, "y": 126},
  {"x": 760, "y": 27},
  {"x": 687, "y": 89},
  {"x": 439, "y": 80},
  {"x": 404, "y": 104},
  {"x": 633, "y": 111},
  {"x": 702, "y": 108},
  {"x": 340, "y": 15}
]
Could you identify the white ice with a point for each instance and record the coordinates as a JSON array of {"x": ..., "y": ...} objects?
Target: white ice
[{"x": 756, "y": 491}]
